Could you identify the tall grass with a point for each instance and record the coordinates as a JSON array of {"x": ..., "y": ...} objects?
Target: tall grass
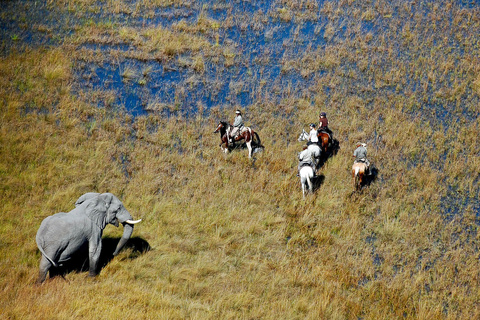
[{"x": 232, "y": 238}]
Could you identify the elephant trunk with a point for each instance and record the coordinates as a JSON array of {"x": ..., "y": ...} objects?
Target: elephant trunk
[
  {"x": 127, "y": 233},
  {"x": 125, "y": 218}
]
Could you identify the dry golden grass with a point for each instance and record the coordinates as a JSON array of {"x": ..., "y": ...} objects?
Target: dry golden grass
[{"x": 232, "y": 238}]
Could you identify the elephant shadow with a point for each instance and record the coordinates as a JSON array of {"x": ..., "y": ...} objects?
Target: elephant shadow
[{"x": 79, "y": 261}]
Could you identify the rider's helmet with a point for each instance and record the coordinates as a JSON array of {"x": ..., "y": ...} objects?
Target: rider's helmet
[
  {"x": 323, "y": 114},
  {"x": 238, "y": 112},
  {"x": 361, "y": 144},
  {"x": 312, "y": 125}
]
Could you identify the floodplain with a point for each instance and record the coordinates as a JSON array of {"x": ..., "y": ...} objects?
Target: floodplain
[{"x": 123, "y": 97}]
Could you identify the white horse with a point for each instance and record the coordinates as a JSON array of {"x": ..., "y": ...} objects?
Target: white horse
[
  {"x": 314, "y": 149},
  {"x": 306, "y": 175},
  {"x": 324, "y": 139}
]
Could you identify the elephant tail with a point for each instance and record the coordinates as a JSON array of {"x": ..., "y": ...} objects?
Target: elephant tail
[{"x": 45, "y": 255}]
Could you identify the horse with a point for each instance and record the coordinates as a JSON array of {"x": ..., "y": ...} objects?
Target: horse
[
  {"x": 316, "y": 153},
  {"x": 358, "y": 174},
  {"x": 323, "y": 139},
  {"x": 246, "y": 134},
  {"x": 306, "y": 175}
]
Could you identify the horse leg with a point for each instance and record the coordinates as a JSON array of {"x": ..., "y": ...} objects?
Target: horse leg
[
  {"x": 302, "y": 182},
  {"x": 248, "y": 139},
  {"x": 355, "y": 173},
  {"x": 225, "y": 148},
  {"x": 310, "y": 187},
  {"x": 354, "y": 180}
]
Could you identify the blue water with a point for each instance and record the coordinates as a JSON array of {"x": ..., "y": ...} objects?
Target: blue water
[{"x": 265, "y": 46}]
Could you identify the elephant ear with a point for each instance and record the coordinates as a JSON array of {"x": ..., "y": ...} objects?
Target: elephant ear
[
  {"x": 96, "y": 210},
  {"x": 85, "y": 197},
  {"x": 113, "y": 206}
]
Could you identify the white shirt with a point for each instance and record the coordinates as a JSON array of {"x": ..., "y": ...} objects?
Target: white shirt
[{"x": 313, "y": 136}]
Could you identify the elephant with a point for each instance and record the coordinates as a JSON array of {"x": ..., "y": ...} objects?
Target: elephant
[{"x": 63, "y": 234}]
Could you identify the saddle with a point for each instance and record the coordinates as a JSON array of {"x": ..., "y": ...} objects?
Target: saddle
[{"x": 305, "y": 164}]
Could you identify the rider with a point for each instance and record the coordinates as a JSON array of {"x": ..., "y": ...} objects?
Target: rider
[
  {"x": 305, "y": 158},
  {"x": 323, "y": 124},
  {"x": 313, "y": 135},
  {"x": 360, "y": 154},
  {"x": 237, "y": 124}
]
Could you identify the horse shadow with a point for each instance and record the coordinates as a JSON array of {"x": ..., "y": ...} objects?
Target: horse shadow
[
  {"x": 79, "y": 261},
  {"x": 372, "y": 177},
  {"x": 317, "y": 182},
  {"x": 335, "y": 147},
  {"x": 332, "y": 151}
]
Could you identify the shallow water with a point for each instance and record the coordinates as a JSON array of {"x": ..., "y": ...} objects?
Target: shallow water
[{"x": 263, "y": 44}]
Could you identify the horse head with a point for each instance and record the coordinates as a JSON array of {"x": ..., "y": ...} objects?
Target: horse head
[
  {"x": 222, "y": 127},
  {"x": 303, "y": 136}
]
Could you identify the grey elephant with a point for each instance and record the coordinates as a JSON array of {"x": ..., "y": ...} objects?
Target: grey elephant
[{"x": 63, "y": 234}]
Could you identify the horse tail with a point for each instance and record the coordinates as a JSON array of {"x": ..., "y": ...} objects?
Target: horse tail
[
  {"x": 259, "y": 142},
  {"x": 309, "y": 182},
  {"x": 357, "y": 169}
]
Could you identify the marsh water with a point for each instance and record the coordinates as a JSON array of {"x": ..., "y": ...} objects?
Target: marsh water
[{"x": 264, "y": 43}]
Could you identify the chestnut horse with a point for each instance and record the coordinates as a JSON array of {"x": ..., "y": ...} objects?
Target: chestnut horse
[
  {"x": 323, "y": 139},
  {"x": 246, "y": 134},
  {"x": 358, "y": 174}
]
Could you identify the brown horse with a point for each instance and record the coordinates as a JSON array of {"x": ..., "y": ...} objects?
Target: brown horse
[
  {"x": 358, "y": 174},
  {"x": 246, "y": 134},
  {"x": 323, "y": 139}
]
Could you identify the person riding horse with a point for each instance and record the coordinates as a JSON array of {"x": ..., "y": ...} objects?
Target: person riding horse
[
  {"x": 237, "y": 125},
  {"x": 305, "y": 158},
  {"x": 313, "y": 135},
  {"x": 360, "y": 155},
  {"x": 323, "y": 124}
]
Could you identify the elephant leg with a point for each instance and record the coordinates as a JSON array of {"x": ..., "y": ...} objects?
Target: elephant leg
[
  {"x": 44, "y": 267},
  {"x": 94, "y": 250}
]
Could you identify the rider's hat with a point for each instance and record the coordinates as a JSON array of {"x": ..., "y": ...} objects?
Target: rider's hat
[
  {"x": 323, "y": 114},
  {"x": 361, "y": 144},
  {"x": 238, "y": 112},
  {"x": 312, "y": 125}
]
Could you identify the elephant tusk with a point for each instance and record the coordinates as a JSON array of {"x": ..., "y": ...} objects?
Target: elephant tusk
[{"x": 133, "y": 221}]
